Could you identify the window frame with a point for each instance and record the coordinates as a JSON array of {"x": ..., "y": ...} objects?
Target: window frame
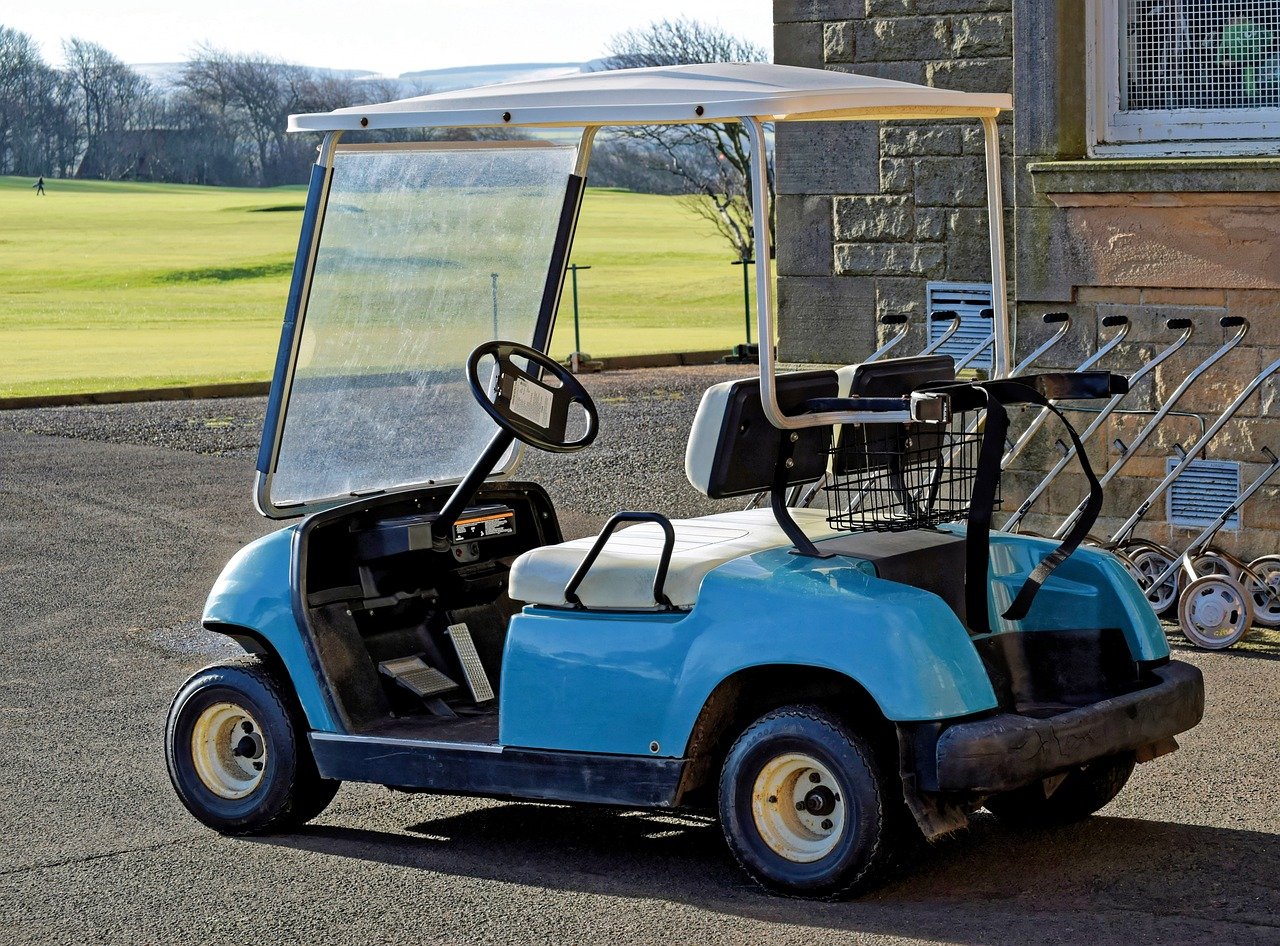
[{"x": 1114, "y": 132}]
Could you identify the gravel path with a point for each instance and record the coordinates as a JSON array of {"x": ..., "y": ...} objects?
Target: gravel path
[
  {"x": 114, "y": 521},
  {"x": 636, "y": 463}
]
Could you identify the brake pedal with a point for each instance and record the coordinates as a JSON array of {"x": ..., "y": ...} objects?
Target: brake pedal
[
  {"x": 472, "y": 669},
  {"x": 416, "y": 676}
]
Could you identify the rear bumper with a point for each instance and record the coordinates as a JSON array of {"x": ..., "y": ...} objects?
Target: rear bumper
[{"x": 1008, "y": 751}]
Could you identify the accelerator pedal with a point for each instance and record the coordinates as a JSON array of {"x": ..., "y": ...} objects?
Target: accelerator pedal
[
  {"x": 417, "y": 677},
  {"x": 472, "y": 669}
]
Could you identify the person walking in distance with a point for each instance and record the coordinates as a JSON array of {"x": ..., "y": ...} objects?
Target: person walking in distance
[{"x": 39, "y": 186}]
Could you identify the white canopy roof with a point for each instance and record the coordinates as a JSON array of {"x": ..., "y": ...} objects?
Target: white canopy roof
[{"x": 666, "y": 94}]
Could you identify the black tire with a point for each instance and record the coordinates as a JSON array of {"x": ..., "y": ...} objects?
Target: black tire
[
  {"x": 863, "y": 841},
  {"x": 1080, "y": 794},
  {"x": 289, "y": 791}
]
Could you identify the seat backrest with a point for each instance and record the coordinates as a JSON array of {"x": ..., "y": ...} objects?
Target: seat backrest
[
  {"x": 890, "y": 377},
  {"x": 733, "y": 448}
]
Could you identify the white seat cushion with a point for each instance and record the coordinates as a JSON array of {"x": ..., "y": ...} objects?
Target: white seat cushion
[{"x": 622, "y": 576}]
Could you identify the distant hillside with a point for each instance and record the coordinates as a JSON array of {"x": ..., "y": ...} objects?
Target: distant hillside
[
  {"x": 164, "y": 75},
  {"x": 464, "y": 77}
]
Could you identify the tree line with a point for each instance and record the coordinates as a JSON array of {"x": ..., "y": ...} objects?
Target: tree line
[{"x": 222, "y": 121}]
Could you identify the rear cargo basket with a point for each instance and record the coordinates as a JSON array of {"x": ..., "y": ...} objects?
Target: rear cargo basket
[{"x": 894, "y": 477}]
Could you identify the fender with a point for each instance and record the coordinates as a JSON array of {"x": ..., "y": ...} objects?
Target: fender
[
  {"x": 1089, "y": 589},
  {"x": 563, "y": 670},
  {"x": 256, "y": 592}
]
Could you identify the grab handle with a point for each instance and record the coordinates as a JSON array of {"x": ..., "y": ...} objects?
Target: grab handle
[{"x": 664, "y": 561}]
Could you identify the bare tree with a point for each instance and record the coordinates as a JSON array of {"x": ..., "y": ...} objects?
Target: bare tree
[
  {"x": 112, "y": 98},
  {"x": 25, "y": 82},
  {"x": 710, "y": 161}
]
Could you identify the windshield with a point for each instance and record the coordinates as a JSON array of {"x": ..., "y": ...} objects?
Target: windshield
[{"x": 426, "y": 251}]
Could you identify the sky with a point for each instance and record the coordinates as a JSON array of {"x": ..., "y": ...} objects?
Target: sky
[{"x": 385, "y": 36}]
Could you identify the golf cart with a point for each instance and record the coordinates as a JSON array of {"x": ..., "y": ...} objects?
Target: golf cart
[{"x": 829, "y": 682}]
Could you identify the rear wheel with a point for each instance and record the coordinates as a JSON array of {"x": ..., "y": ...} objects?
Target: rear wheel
[
  {"x": 237, "y": 752},
  {"x": 1065, "y": 799},
  {"x": 805, "y": 806}
]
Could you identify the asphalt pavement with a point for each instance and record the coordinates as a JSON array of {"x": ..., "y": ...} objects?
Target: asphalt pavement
[{"x": 115, "y": 520}]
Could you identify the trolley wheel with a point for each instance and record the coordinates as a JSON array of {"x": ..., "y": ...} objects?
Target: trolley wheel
[
  {"x": 1131, "y": 568},
  {"x": 806, "y": 807},
  {"x": 1264, "y": 589},
  {"x": 1151, "y": 564},
  {"x": 1214, "y": 612},
  {"x": 1212, "y": 563}
]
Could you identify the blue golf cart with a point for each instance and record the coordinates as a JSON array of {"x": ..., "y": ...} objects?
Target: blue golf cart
[{"x": 830, "y": 682}]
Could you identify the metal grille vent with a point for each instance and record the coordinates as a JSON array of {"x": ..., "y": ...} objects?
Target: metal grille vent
[
  {"x": 1209, "y": 54},
  {"x": 1202, "y": 492},
  {"x": 967, "y": 299}
]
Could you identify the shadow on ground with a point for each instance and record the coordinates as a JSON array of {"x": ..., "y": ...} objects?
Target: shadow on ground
[{"x": 963, "y": 890}]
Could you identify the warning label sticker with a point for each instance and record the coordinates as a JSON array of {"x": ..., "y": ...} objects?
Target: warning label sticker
[{"x": 532, "y": 401}]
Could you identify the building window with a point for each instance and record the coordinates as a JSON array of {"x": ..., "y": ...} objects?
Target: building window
[{"x": 1176, "y": 77}]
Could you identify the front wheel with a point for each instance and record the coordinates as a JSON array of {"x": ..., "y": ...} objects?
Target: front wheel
[
  {"x": 1067, "y": 798},
  {"x": 805, "y": 806},
  {"x": 237, "y": 752}
]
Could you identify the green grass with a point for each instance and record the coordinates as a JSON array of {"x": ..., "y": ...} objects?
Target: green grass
[{"x": 111, "y": 286}]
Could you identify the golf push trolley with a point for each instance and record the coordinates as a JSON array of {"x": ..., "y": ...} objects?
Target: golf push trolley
[
  {"x": 1214, "y": 595},
  {"x": 829, "y": 684}
]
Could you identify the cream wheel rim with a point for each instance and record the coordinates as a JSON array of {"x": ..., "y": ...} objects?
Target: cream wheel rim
[
  {"x": 228, "y": 750},
  {"x": 798, "y": 807}
]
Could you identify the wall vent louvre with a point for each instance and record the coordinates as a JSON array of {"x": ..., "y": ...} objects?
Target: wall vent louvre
[
  {"x": 1202, "y": 492},
  {"x": 968, "y": 299}
]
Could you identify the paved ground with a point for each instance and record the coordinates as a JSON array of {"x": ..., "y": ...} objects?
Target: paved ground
[{"x": 113, "y": 523}]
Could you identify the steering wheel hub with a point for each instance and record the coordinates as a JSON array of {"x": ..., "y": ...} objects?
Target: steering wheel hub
[{"x": 524, "y": 405}]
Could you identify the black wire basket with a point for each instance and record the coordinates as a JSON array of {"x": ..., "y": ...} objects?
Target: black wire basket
[{"x": 894, "y": 477}]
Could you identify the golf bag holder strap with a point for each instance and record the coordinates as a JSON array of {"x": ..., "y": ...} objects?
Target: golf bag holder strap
[
  {"x": 995, "y": 396},
  {"x": 664, "y": 561}
]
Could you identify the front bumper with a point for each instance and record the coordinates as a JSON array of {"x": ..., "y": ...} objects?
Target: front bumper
[{"x": 1008, "y": 751}]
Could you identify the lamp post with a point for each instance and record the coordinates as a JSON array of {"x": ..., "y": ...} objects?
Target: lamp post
[
  {"x": 575, "y": 359},
  {"x": 746, "y": 292},
  {"x": 493, "y": 280}
]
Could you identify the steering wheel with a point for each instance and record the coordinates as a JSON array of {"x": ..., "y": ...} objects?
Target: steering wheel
[{"x": 525, "y": 407}]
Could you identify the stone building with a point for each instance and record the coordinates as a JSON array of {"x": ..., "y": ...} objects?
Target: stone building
[{"x": 1140, "y": 180}]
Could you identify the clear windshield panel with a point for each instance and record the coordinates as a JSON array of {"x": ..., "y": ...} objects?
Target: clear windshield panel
[{"x": 425, "y": 253}]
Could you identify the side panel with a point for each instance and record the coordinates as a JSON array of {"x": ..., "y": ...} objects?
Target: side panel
[
  {"x": 594, "y": 682},
  {"x": 255, "y": 591},
  {"x": 633, "y": 781}
]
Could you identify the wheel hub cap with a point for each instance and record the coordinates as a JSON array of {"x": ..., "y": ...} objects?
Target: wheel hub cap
[
  {"x": 798, "y": 807},
  {"x": 228, "y": 751}
]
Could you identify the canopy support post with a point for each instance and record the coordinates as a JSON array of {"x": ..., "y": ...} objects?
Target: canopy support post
[
  {"x": 766, "y": 331},
  {"x": 1002, "y": 348}
]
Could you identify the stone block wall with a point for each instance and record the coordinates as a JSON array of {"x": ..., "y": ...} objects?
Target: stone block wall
[
  {"x": 868, "y": 213},
  {"x": 1193, "y": 238}
]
